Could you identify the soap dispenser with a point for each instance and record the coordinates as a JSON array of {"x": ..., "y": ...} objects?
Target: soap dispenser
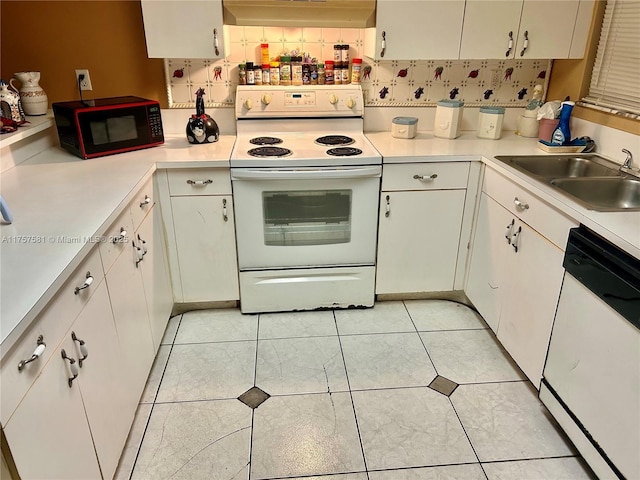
[{"x": 562, "y": 134}]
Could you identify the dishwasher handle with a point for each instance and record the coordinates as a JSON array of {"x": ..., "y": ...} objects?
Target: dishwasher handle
[{"x": 309, "y": 174}]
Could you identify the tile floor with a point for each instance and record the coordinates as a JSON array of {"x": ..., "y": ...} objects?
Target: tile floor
[{"x": 350, "y": 398}]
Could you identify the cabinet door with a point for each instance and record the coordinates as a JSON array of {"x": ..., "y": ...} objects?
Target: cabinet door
[
  {"x": 155, "y": 274},
  {"x": 205, "y": 239},
  {"x": 109, "y": 404},
  {"x": 487, "y": 282},
  {"x": 183, "y": 29},
  {"x": 486, "y": 28},
  {"x": 129, "y": 306},
  {"x": 418, "y": 240},
  {"x": 413, "y": 30},
  {"x": 549, "y": 27},
  {"x": 529, "y": 308},
  {"x": 48, "y": 435}
]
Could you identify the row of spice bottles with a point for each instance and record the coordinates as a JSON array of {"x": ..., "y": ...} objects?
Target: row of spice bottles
[{"x": 293, "y": 71}]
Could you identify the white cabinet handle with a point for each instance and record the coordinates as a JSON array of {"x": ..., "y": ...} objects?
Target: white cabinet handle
[
  {"x": 520, "y": 205},
  {"x": 146, "y": 201},
  {"x": 37, "y": 353},
  {"x": 525, "y": 44},
  {"x": 73, "y": 368},
  {"x": 121, "y": 237},
  {"x": 215, "y": 42},
  {"x": 139, "y": 253},
  {"x": 510, "y": 45},
  {"x": 142, "y": 245},
  {"x": 515, "y": 239},
  {"x": 199, "y": 183},
  {"x": 388, "y": 207},
  {"x": 507, "y": 234},
  {"x": 383, "y": 45},
  {"x": 224, "y": 210},
  {"x": 82, "y": 346},
  {"x": 87, "y": 283},
  {"x": 426, "y": 178}
]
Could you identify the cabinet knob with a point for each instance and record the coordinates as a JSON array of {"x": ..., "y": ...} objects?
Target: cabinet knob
[
  {"x": 520, "y": 205},
  {"x": 426, "y": 178},
  {"x": 121, "y": 237},
  {"x": 73, "y": 368},
  {"x": 87, "y": 283},
  {"x": 37, "y": 353},
  {"x": 146, "y": 201},
  {"x": 82, "y": 346}
]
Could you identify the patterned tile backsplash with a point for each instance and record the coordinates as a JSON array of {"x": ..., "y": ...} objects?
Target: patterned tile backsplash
[{"x": 414, "y": 83}]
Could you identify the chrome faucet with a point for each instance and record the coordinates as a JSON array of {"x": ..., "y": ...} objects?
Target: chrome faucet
[{"x": 627, "y": 165}]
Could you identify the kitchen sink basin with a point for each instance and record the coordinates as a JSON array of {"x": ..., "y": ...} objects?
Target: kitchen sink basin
[
  {"x": 562, "y": 165},
  {"x": 602, "y": 193}
]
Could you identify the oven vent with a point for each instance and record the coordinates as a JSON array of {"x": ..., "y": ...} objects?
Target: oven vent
[{"x": 301, "y": 13}]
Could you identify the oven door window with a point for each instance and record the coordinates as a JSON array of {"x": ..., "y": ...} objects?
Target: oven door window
[{"x": 316, "y": 217}]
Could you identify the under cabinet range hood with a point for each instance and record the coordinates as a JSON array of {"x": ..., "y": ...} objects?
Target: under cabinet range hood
[{"x": 301, "y": 13}]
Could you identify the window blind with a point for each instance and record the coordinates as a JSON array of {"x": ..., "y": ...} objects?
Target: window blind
[{"x": 615, "y": 80}]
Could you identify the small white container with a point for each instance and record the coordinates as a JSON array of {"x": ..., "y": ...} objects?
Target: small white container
[
  {"x": 448, "y": 119},
  {"x": 404, "y": 127},
  {"x": 490, "y": 122}
]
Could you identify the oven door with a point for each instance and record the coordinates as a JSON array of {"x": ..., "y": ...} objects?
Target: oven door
[{"x": 306, "y": 217}]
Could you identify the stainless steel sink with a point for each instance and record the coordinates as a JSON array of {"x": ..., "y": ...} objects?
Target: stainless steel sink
[
  {"x": 602, "y": 193},
  {"x": 562, "y": 166}
]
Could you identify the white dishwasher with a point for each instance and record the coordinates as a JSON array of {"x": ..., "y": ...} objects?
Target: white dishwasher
[{"x": 591, "y": 380}]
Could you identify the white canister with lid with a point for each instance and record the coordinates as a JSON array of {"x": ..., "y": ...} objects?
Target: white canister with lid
[
  {"x": 404, "y": 127},
  {"x": 448, "y": 118},
  {"x": 490, "y": 122}
]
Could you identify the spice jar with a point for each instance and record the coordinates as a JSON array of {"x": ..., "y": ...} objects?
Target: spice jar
[
  {"x": 275, "y": 73},
  {"x": 321, "y": 74},
  {"x": 296, "y": 70},
  {"x": 242, "y": 74},
  {"x": 266, "y": 74},
  {"x": 306, "y": 74},
  {"x": 257, "y": 74},
  {"x": 345, "y": 74},
  {"x": 329, "y": 72},
  {"x": 337, "y": 54},
  {"x": 264, "y": 50},
  {"x": 285, "y": 70},
  {"x": 356, "y": 68},
  {"x": 251, "y": 78},
  {"x": 313, "y": 73}
]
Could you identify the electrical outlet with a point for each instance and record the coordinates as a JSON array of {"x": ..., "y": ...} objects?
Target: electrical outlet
[
  {"x": 85, "y": 83},
  {"x": 496, "y": 77}
]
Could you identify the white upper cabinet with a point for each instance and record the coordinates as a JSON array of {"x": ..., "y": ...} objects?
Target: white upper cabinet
[
  {"x": 415, "y": 30},
  {"x": 183, "y": 29},
  {"x": 525, "y": 29}
]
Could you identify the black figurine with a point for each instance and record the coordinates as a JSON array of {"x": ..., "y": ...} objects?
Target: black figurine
[{"x": 201, "y": 128}]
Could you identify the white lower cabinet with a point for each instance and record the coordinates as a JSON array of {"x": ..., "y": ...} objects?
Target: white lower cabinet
[
  {"x": 515, "y": 273},
  {"x": 50, "y": 435},
  {"x": 420, "y": 224}
]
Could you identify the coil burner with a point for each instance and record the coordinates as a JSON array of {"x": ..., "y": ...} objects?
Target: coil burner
[
  {"x": 334, "y": 140},
  {"x": 344, "y": 151},
  {"x": 269, "y": 152},
  {"x": 265, "y": 141}
]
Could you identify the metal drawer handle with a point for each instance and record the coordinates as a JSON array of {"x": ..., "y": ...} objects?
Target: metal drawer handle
[
  {"x": 83, "y": 348},
  {"x": 37, "y": 353},
  {"x": 224, "y": 210},
  {"x": 200, "y": 182},
  {"x": 146, "y": 201},
  {"x": 525, "y": 45},
  {"x": 515, "y": 239},
  {"x": 87, "y": 283},
  {"x": 72, "y": 367},
  {"x": 215, "y": 42},
  {"x": 520, "y": 205},
  {"x": 426, "y": 178},
  {"x": 388, "y": 207},
  {"x": 507, "y": 234},
  {"x": 139, "y": 253},
  {"x": 121, "y": 237},
  {"x": 144, "y": 247},
  {"x": 510, "y": 45},
  {"x": 383, "y": 45}
]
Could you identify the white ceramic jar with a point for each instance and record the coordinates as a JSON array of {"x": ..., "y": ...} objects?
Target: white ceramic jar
[
  {"x": 490, "y": 122},
  {"x": 404, "y": 127},
  {"x": 448, "y": 119}
]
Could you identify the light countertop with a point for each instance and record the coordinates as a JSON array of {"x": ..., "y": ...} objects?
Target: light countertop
[{"x": 55, "y": 194}]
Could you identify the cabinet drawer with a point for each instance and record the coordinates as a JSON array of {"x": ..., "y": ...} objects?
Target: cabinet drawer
[
  {"x": 210, "y": 181},
  {"x": 549, "y": 222},
  {"x": 425, "y": 176},
  {"x": 116, "y": 239},
  {"x": 52, "y": 323},
  {"x": 142, "y": 203}
]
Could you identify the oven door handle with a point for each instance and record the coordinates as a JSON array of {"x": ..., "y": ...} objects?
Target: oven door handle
[{"x": 316, "y": 174}]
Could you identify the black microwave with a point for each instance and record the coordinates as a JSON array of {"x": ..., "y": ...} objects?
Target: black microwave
[{"x": 104, "y": 126}]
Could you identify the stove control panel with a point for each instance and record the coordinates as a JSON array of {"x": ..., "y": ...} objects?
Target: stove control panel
[{"x": 299, "y": 101}]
